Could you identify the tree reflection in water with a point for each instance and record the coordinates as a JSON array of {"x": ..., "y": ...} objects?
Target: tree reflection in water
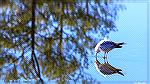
[{"x": 51, "y": 39}]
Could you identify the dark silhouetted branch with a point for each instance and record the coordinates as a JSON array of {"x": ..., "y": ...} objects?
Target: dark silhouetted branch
[{"x": 33, "y": 56}]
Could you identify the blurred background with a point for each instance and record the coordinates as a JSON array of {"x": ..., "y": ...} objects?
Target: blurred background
[{"x": 54, "y": 41}]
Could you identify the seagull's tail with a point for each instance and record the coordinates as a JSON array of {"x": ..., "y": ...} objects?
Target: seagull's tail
[
  {"x": 119, "y": 45},
  {"x": 120, "y": 73},
  {"x": 119, "y": 69}
]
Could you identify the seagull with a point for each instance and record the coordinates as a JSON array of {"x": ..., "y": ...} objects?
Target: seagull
[
  {"x": 106, "y": 69},
  {"x": 106, "y": 45}
]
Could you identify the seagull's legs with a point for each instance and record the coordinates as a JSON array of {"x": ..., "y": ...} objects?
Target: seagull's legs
[{"x": 104, "y": 57}]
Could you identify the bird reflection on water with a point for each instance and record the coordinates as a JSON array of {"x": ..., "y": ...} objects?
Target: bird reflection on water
[{"x": 106, "y": 69}]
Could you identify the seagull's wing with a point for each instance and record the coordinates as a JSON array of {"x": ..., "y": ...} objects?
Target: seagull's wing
[
  {"x": 113, "y": 68},
  {"x": 107, "y": 45},
  {"x": 98, "y": 69},
  {"x": 103, "y": 68},
  {"x": 97, "y": 47}
]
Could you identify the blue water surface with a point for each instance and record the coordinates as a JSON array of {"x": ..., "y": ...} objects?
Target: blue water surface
[{"x": 132, "y": 58}]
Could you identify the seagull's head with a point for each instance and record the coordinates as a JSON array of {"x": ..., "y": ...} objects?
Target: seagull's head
[{"x": 97, "y": 50}]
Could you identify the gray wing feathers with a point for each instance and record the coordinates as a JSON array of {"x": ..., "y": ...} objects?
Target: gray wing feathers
[{"x": 107, "y": 45}]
